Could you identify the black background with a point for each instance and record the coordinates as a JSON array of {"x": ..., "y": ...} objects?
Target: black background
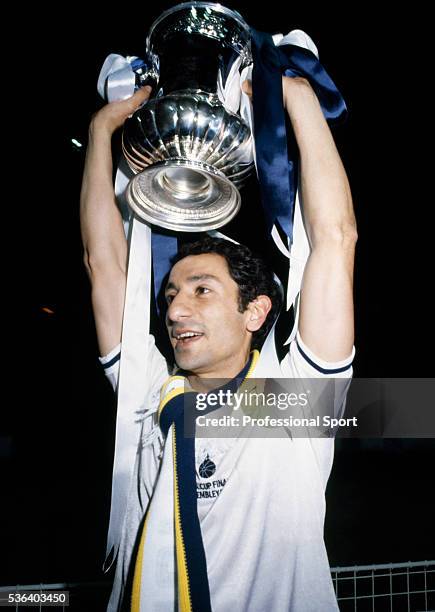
[{"x": 57, "y": 428}]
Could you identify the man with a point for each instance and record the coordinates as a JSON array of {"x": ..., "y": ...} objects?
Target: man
[{"x": 258, "y": 543}]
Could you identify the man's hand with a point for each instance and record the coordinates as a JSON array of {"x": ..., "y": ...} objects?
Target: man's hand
[{"x": 113, "y": 115}]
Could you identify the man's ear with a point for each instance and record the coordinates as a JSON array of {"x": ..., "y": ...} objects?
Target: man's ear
[{"x": 258, "y": 310}]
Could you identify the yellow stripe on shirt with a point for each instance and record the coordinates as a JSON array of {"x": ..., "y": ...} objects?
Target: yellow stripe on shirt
[{"x": 137, "y": 580}]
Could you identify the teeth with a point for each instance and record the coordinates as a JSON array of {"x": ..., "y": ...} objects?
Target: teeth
[{"x": 187, "y": 335}]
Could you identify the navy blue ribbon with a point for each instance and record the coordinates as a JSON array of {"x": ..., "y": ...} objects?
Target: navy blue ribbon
[
  {"x": 164, "y": 247},
  {"x": 181, "y": 411},
  {"x": 277, "y": 163},
  {"x": 196, "y": 563}
]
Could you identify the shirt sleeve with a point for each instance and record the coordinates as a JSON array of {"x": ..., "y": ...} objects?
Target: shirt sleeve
[
  {"x": 110, "y": 363},
  {"x": 157, "y": 367},
  {"x": 301, "y": 362}
]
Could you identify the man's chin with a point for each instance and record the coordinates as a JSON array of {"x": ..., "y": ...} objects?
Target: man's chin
[
  {"x": 189, "y": 365},
  {"x": 189, "y": 361}
]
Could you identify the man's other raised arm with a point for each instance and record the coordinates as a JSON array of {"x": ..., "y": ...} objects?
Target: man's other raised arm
[
  {"x": 326, "y": 323},
  {"x": 105, "y": 245}
]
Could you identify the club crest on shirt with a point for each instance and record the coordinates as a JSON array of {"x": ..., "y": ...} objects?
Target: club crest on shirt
[{"x": 207, "y": 468}]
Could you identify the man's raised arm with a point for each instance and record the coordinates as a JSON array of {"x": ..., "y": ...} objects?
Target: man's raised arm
[
  {"x": 105, "y": 245},
  {"x": 326, "y": 323}
]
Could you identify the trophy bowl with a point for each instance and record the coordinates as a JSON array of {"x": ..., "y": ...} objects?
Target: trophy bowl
[{"x": 189, "y": 150}]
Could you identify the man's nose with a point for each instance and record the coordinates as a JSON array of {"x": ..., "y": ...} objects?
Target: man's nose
[{"x": 179, "y": 308}]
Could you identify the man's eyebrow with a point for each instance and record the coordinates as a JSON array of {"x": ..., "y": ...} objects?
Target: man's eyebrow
[{"x": 194, "y": 278}]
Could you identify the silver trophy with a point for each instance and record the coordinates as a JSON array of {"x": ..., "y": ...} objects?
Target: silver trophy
[{"x": 190, "y": 148}]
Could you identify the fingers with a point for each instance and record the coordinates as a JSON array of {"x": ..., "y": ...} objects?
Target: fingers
[
  {"x": 143, "y": 93},
  {"x": 138, "y": 98},
  {"x": 112, "y": 116}
]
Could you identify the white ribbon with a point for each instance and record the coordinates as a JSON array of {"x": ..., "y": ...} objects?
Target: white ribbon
[
  {"x": 133, "y": 384},
  {"x": 117, "y": 79}
]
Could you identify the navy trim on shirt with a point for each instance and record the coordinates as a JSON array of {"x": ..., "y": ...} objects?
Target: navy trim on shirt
[
  {"x": 112, "y": 361},
  {"x": 319, "y": 368}
]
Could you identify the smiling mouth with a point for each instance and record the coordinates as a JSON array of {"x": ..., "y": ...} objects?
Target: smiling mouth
[{"x": 188, "y": 338}]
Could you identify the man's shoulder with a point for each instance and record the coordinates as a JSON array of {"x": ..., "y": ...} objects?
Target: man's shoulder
[
  {"x": 300, "y": 362},
  {"x": 156, "y": 368}
]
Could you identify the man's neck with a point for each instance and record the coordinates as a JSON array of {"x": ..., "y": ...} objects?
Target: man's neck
[{"x": 205, "y": 382}]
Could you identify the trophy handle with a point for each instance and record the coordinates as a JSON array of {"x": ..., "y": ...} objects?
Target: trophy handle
[{"x": 147, "y": 71}]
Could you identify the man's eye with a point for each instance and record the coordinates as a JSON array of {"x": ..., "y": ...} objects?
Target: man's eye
[
  {"x": 202, "y": 290},
  {"x": 169, "y": 298}
]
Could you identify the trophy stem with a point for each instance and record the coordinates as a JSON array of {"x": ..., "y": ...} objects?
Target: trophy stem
[{"x": 185, "y": 182}]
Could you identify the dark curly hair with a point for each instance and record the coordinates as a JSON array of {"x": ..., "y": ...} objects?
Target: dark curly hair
[{"x": 248, "y": 270}]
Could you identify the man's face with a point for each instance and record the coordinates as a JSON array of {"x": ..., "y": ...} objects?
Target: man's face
[{"x": 203, "y": 302}]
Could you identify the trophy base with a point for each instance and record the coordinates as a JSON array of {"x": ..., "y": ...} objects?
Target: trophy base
[{"x": 183, "y": 195}]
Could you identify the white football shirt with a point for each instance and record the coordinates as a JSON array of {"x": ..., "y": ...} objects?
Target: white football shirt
[{"x": 261, "y": 504}]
